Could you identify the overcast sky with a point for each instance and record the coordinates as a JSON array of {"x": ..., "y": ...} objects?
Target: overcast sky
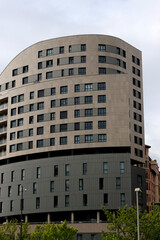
[{"x": 25, "y": 22}]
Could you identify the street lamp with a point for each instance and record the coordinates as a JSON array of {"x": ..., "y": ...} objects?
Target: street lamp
[
  {"x": 21, "y": 207},
  {"x": 137, "y": 190}
]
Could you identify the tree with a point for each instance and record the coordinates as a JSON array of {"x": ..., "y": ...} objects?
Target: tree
[{"x": 123, "y": 226}]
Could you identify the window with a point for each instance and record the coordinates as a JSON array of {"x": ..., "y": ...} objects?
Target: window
[
  {"x": 39, "y": 130},
  {"x": 53, "y": 91},
  {"x": 102, "y": 70},
  {"x": 102, "y": 138},
  {"x": 105, "y": 167},
  {"x": 139, "y": 180},
  {"x": 102, "y": 86},
  {"x": 53, "y": 103},
  {"x": 118, "y": 183},
  {"x": 15, "y": 72},
  {"x": 19, "y": 189},
  {"x": 12, "y": 148},
  {"x": 80, "y": 184},
  {"x": 21, "y": 98},
  {"x": 20, "y": 110},
  {"x": 70, "y": 71},
  {"x": 30, "y": 132},
  {"x": 40, "y": 93},
  {"x": 40, "y": 118},
  {"x": 49, "y": 52},
  {"x": 34, "y": 188},
  {"x": 88, "y": 87},
  {"x": 52, "y": 129},
  {"x": 105, "y": 199},
  {"x": 40, "y": 105},
  {"x": 83, "y": 59},
  {"x": 85, "y": 200},
  {"x": 67, "y": 169},
  {"x": 66, "y": 200},
  {"x": 88, "y": 125},
  {"x": 49, "y": 75},
  {"x": 9, "y": 191},
  {"x": 71, "y": 60},
  {"x": 88, "y": 99},
  {"x": 7, "y": 85},
  {"x": 101, "y": 183},
  {"x": 20, "y": 122},
  {"x": 77, "y": 100},
  {"x": 52, "y": 141},
  {"x": 101, "y": 124},
  {"x": 12, "y": 176},
  {"x": 37, "y": 203},
  {"x": 13, "y": 123},
  {"x": 63, "y": 127},
  {"x": 88, "y": 138},
  {"x": 61, "y": 50},
  {"x": 49, "y": 63},
  {"x": 51, "y": 186},
  {"x": 62, "y": 73},
  {"x": 55, "y": 201},
  {"x": 81, "y": 71},
  {"x": 84, "y": 168},
  {"x": 137, "y": 128},
  {"x": 13, "y": 111},
  {"x": 93, "y": 236},
  {"x": 38, "y": 172},
  {"x": 39, "y": 143},
  {"x": 88, "y": 112},
  {"x": 122, "y": 199},
  {"x": 101, "y": 98},
  {"x": 2, "y": 178},
  {"x": 55, "y": 170},
  {"x": 63, "y": 89},
  {"x": 25, "y": 69},
  {"x": 30, "y": 144},
  {"x": 77, "y": 113},
  {"x": 19, "y": 146},
  {"x": 52, "y": 116},
  {"x": 12, "y": 136},
  {"x": 102, "y": 47},
  {"x": 11, "y": 205},
  {"x": 63, "y": 102},
  {"x": 63, "y": 114},
  {"x": 31, "y": 120},
  {"x": 122, "y": 168},
  {"x": 79, "y": 237},
  {"x": 102, "y": 59},
  {"x": 40, "y": 65},
  {"x": 76, "y": 139},
  {"x": 63, "y": 140},
  {"x": 31, "y": 95},
  {"x": 76, "y": 126},
  {"x": 39, "y": 54},
  {"x": 67, "y": 185},
  {"x": 77, "y": 88},
  {"x": 13, "y": 100},
  {"x": 31, "y": 107},
  {"x": 83, "y": 47},
  {"x": 25, "y": 80},
  {"x": 20, "y": 134}
]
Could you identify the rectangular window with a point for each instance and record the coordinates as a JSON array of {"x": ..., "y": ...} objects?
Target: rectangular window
[
  {"x": 88, "y": 112},
  {"x": 19, "y": 189},
  {"x": 30, "y": 132},
  {"x": 139, "y": 180},
  {"x": 105, "y": 199},
  {"x": 11, "y": 205},
  {"x": 55, "y": 170},
  {"x": 66, "y": 200},
  {"x": 22, "y": 174},
  {"x": 34, "y": 188},
  {"x": 85, "y": 200},
  {"x": 102, "y": 86},
  {"x": 102, "y": 70},
  {"x": 102, "y": 137},
  {"x": 101, "y": 183},
  {"x": 77, "y": 88},
  {"x": 12, "y": 176},
  {"x": 31, "y": 107},
  {"x": 102, "y": 59},
  {"x": 76, "y": 126},
  {"x": 41, "y": 93},
  {"x": 31, "y": 95},
  {"x": 38, "y": 174},
  {"x": 24, "y": 80},
  {"x": 61, "y": 50},
  {"x": 20, "y": 134},
  {"x": 102, "y": 47},
  {"x": 12, "y": 136},
  {"x": 71, "y": 60},
  {"x": 81, "y": 71},
  {"x": 13, "y": 123},
  {"x": 40, "y": 105},
  {"x": 53, "y": 103},
  {"x": 19, "y": 146},
  {"x": 67, "y": 169},
  {"x": 37, "y": 203},
  {"x": 13, "y": 99},
  {"x": 39, "y": 143},
  {"x": 31, "y": 120},
  {"x": 15, "y": 72},
  {"x": 52, "y": 141},
  {"x": 122, "y": 168},
  {"x": 13, "y": 111},
  {"x": 63, "y": 127},
  {"x": 122, "y": 199},
  {"x": 63, "y": 114},
  {"x": 70, "y": 71},
  {"x": 55, "y": 201},
  {"x": 52, "y": 129},
  {"x": 39, "y": 65},
  {"x": 77, "y": 139},
  {"x": 51, "y": 186},
  {"x": 9, "y": 191},
  {"x": 105, "y": 167},
  {"x": 49, "y": 75},
  {"x": 88, "y": 138},
  {"x": 49, "y": 63},
  {"x": 53, "y": 91},
  {"x": 39, "y": 77},
  {"x": 84, "y": 168},
  {"x": 118, "y": 183},
  {"x": 77, "y": 100},
  {"x": 39, "y": 130},
  {"x": 1, "y": 207},
  {"x": 80, "y": 184},
  {"x": 12, "y": 148},
  {"x": 101, "y": 124},
  {"x": 83, "y": 47},
  {"x": 63, "y": 140},
  {"x": 21, "y": 98},
  {"x": 88, "y": 99},
  {"x": 79, "y": 237},
  {"x": 63, "y": 89},
  {"x": 83, "y": 59},
  {"x": 88, "y": 125},
  {"x": 25, "y": 69},
  {"x": 67, "y": 185},
  {"x": 88, "y": 87},
  {"x": 20, "y": 122},
  {"x": 49, "y": 52},
  {"x": 77, "y": 113},
  {"x": 101, "y": 98},
  {"x": 30, "y": 144},
  {"x": 52, "y": 116},
  {"x": 40, "y": 118},
  {"x": 63, "y": 102}
]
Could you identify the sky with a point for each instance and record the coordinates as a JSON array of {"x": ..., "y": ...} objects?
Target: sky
[{"x": 25, "y": 22}]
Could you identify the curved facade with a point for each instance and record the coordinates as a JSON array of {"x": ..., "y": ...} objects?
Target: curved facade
[{"x": 71, "y": 127}]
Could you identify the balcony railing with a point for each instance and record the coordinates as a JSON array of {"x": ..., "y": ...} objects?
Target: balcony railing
[{"x": 2, "y": 106}]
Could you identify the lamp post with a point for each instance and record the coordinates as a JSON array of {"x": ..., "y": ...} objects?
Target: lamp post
[
  {"x": 137, "y": 190},
  {"x": 21, "y": 207}
]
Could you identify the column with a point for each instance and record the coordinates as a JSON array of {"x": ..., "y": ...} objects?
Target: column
[
  {"x": 72, "y": 217},
  {"x": 48, "y": 218},
  {"x": 98, "y": 217},
  {"x": 26, "y": 218}
]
